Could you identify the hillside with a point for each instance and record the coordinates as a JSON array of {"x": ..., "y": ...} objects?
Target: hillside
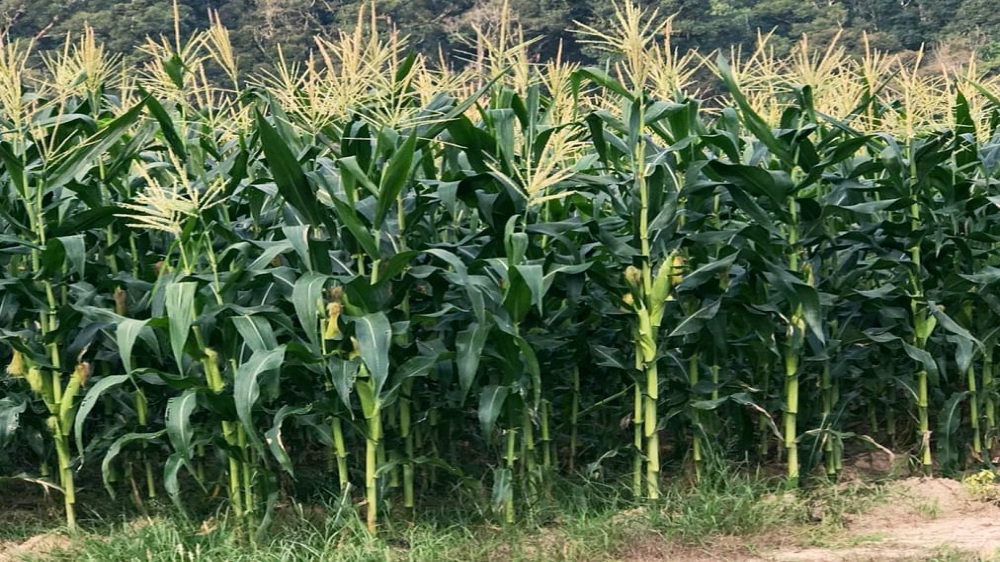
[{"x": 953, "y": 29}]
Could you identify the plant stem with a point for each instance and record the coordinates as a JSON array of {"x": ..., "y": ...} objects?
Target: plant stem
[
  {"x": 574, "y": 419},
  {"x": 696, "y": 428},
  {"x": 371, "y": 467}
]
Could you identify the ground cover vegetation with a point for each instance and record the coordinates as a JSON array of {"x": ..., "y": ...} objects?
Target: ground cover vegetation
[{"x": 421, "y": 279}]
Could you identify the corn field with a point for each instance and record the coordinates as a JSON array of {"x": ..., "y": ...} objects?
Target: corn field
[{"x": 414, "y": 277}]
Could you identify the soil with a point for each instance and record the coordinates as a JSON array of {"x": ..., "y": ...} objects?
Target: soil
[
  {"x": 922, "y": 520},
  {"x": 36, "y": 546},
  {"x": 923, "y": 516}
]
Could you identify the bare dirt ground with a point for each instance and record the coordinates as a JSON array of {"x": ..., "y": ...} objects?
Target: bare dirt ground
[
  {"x": 38, "y": 545},
  {"x": 921, "y": 520}
]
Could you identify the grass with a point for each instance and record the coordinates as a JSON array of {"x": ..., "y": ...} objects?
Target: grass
[
  {"x": 950, "y": 554},
  {"x": 576, "y": 521},
  {"x": 929, "y": 508}
]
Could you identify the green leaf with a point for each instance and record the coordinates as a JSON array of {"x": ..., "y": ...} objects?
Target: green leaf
[
  {"x": 10, "y": 413},
  {"x": 808, "y": 298},
  {"x": 76, "y": 253},
  {"x": 417, "y": 366},
  {"x": 342, "y": 375},
  {"x": 181, "y": 314},
  {"x": 171, "y": 483},
  {"x": 83, "y": 158},
  {"x": 273, "y": 435},
  {"x": 949, "y": 422},
  {"x": 298, "y": 236},
  {"x": 605, "y": 80},
  {"x": 705, "y": 273},
  {"x": 86, "y": 405},
  {"x": 695, "y": 322},
  {"x": 531, "y": 366},
  {"x": 126, "y": 334},
  {"x": 753, "y": 121},
  {"x": 293, "y": 185},
  {"x": 349, "y": 217},
  {"x": 256, "y": 332},
  {"x": 921, "y": 356},
  {"x": 609, "y": 357},
  {"x": 246, "y": 389},
  {"x": 503, "y": 486},
  {"x": 468, "y": 351},
  {"x": 178, "y": 422},
  {"x": 349, "y": 166},
  {"x": 374, "y": 335},
  {"x": 394, "y": 178},
  {"x": 115, "y": 449},
  {"x": 307, "y": 296},
  {"x": 166, "y": 125},
  {"x": 950, "y": 325},
  {"x": 533, "y": 276},
  {"x": 491, "y": 402}
]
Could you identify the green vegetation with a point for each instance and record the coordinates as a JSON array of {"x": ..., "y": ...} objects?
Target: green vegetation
[
  {"x": 590, "y": 521},
  {"x": 396, "y": 281},
  {"x": 953, "y": 29}
]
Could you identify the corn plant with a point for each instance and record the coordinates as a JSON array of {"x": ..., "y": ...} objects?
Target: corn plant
[{"x": 429, "y": 278}]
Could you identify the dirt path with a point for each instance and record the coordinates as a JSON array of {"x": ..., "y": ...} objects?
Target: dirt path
[
  {"x": 921, "y": 520},
  {"x": 922, "y": 517}
]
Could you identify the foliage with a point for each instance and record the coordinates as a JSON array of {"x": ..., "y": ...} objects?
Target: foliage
[
  {"x": 952, "y": 27},
  {"x": 428, "y": 280}
]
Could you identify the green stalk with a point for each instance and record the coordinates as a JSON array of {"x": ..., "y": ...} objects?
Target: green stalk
[
  {"x": 826, "y": 386},
  {"x": 213, "y": 378},
  {"x": 924, "y": 326},
  {"x": 407, "y": 433},
  {"x": 340, "y": 450},
  {"x": 574, "y": 419},
  {"x": 528, "y": 441},
  {"x": 925, "y": 430},
  {"x": 142, "y": 412},
  {"x": 65, "y": 471},
  {"x": 637, "y": 459},
  {"x": 989, "y": 403},
  {"x": 371, "y": 466},
  {"x": 60, "y": 425},
  {"x": 762, "y": 430},
  {"x": 792, "y": 403},
  {"x": 977, "y": 442},
  {"x": 647, "y": 333},
  {"x": 511, "y": 457},
  {"x": 890, "y": 423},
  {"x": 246, "y": 470},
  {"x": 546, "y": 437},
  {"x": 975, "y": 399},
  {"x": 715, "y": 381},
  {"x": 432, "y": 421},
  {"x": 793, "y": 349},
  {"x": 922, "y": 323},
  {"x": 873, "y": 417},
  {"x": 693, "y": 375}
]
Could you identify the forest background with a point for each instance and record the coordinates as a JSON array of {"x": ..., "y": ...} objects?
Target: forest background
[{"x": 950, "y": 31}]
